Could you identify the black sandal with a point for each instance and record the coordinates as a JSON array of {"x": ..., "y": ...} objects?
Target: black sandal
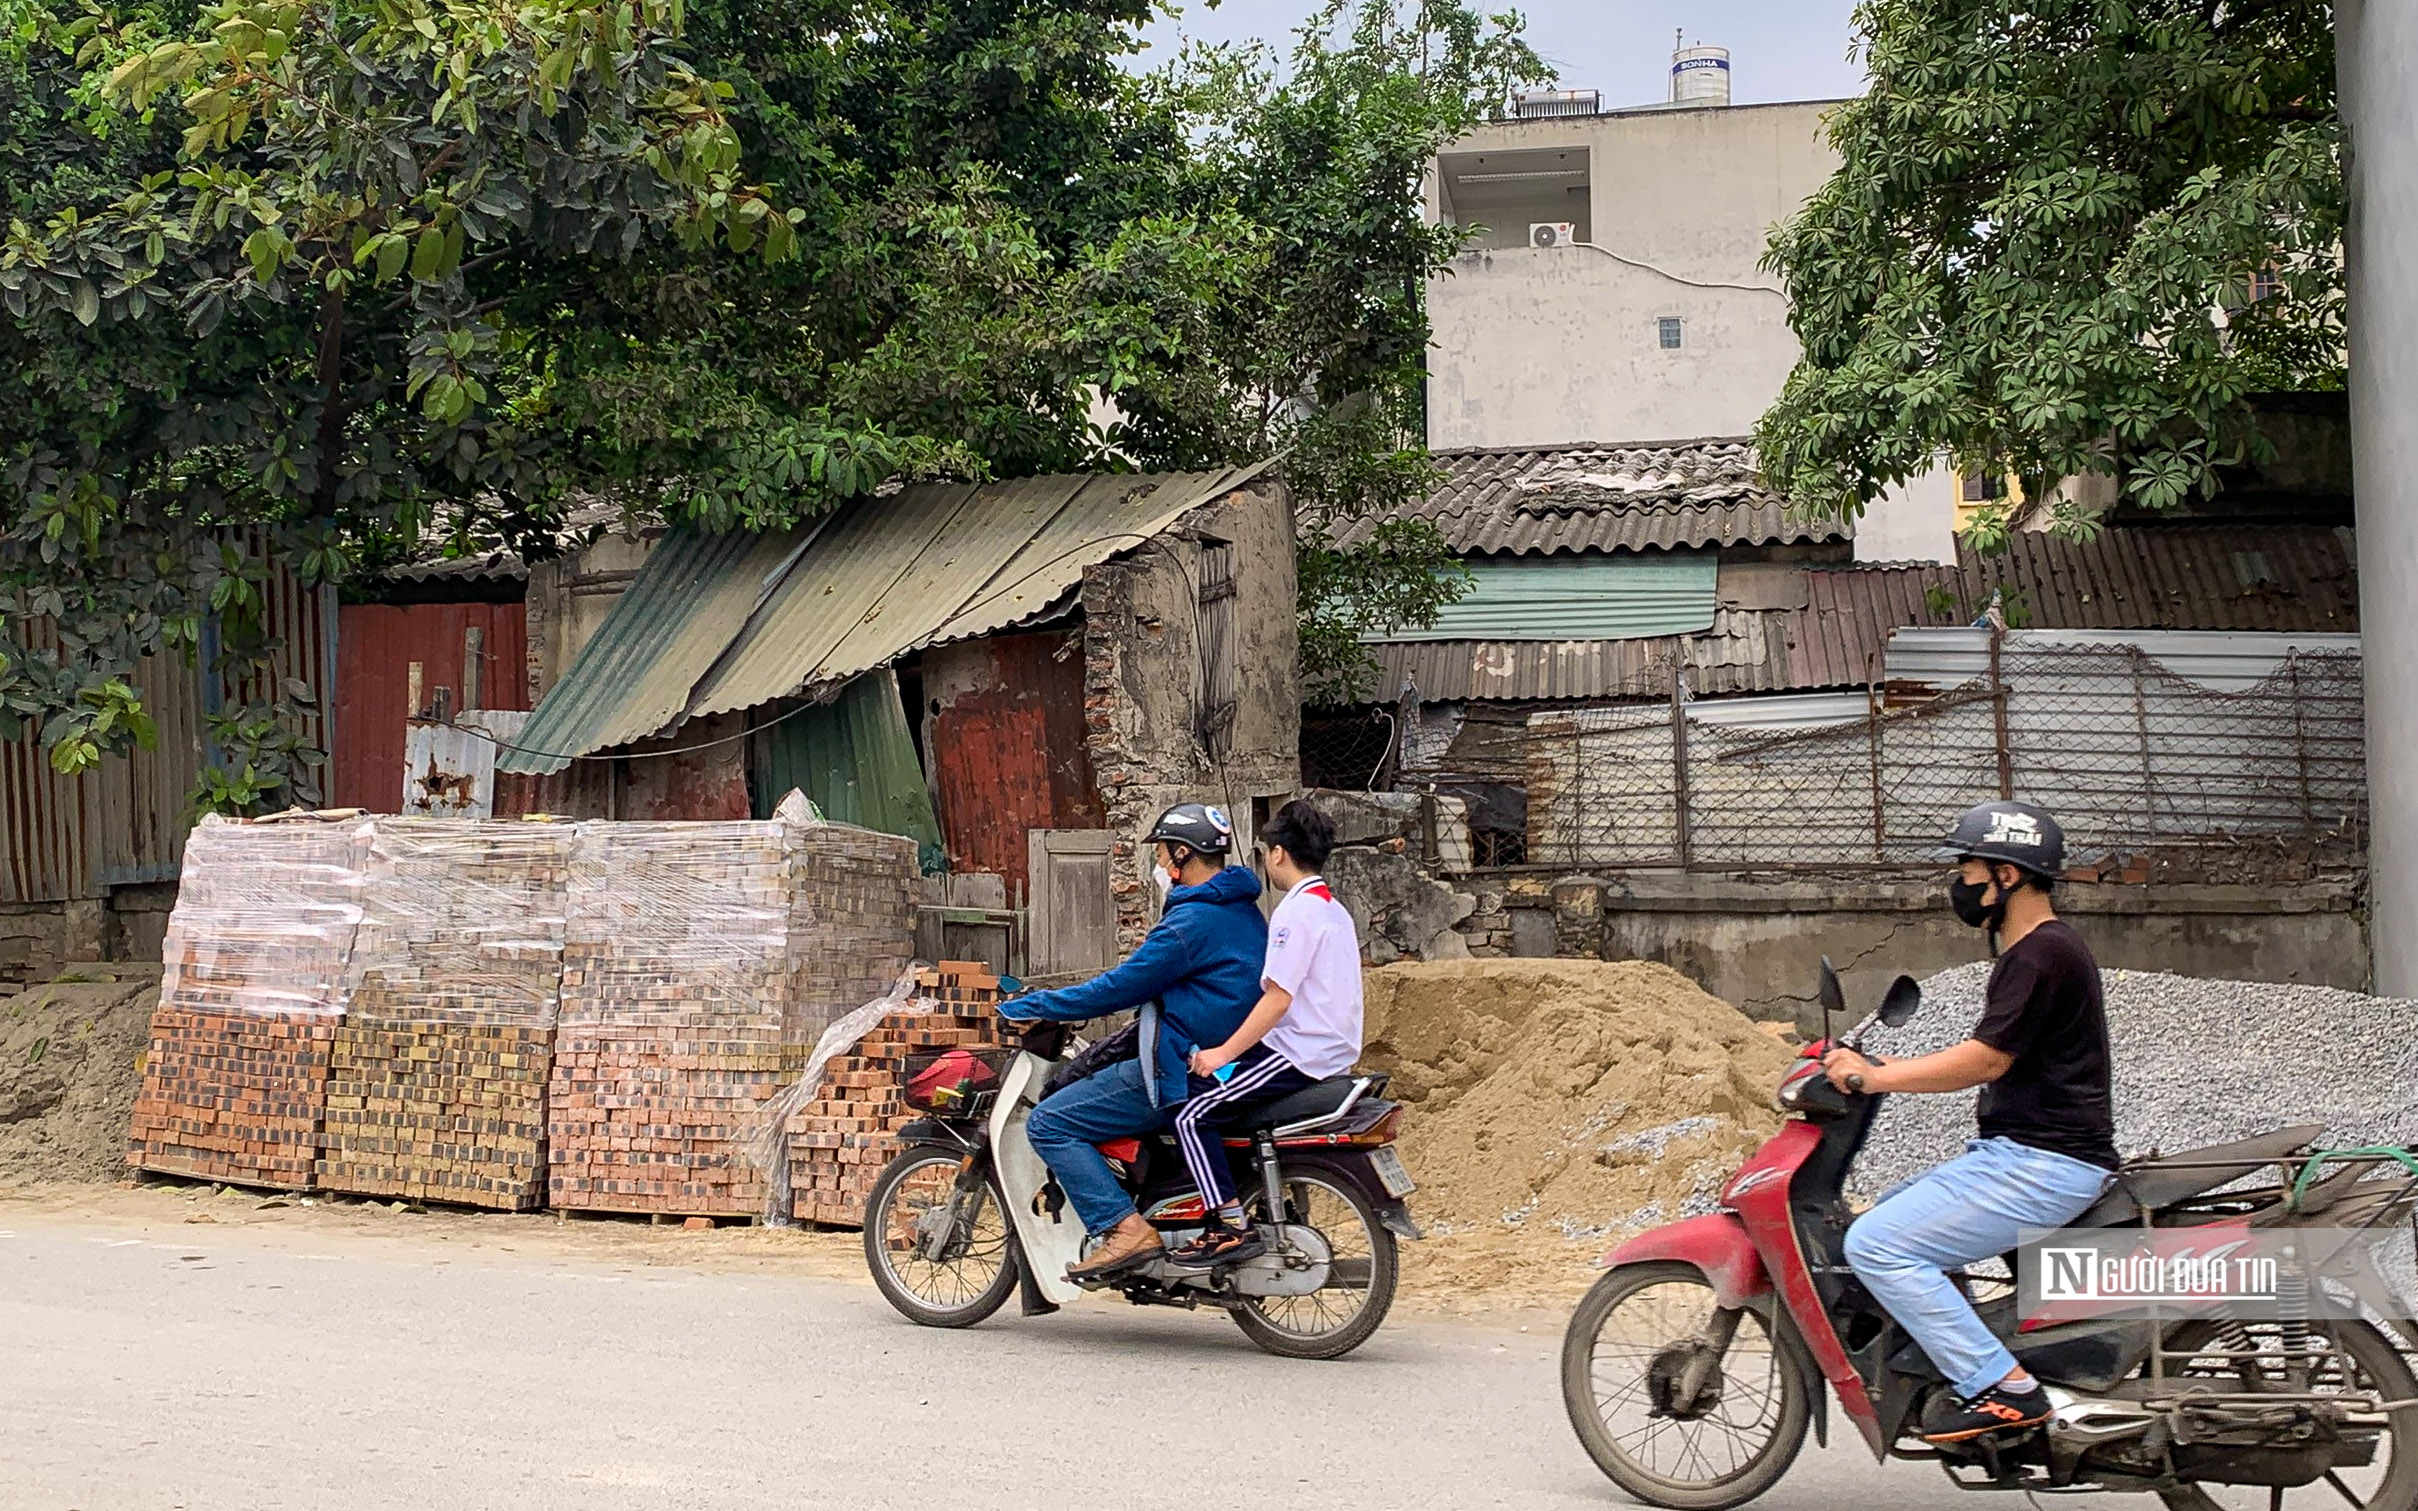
[{"x": 1217, "y": 1246}]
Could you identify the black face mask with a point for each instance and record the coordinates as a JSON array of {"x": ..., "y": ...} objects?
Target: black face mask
[{"x": 1965, "y": 897}]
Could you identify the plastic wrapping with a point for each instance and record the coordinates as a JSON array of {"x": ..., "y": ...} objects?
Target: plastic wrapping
[
  {"x": 235, "y": 1077},
  {"x": 437, "y": 1086},
  {"x": 701, "y": 962}
]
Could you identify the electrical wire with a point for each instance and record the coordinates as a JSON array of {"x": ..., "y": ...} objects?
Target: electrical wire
[{"x": 1694, "y": 283}]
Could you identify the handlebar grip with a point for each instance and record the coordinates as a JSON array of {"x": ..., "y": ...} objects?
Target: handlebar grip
[{"x": 1856, "y": 1084}]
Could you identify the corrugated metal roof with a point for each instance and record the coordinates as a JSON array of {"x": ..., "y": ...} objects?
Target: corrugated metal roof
[
  {"x": 1538, "y": 500},
  {"x": 1579, "y": 598},
  {"x": 2176, "y": 577},
  {"x": 713, "y": 624},
  {"x": 634, "y": 675},
  {"x": 2228, "y": 661}
]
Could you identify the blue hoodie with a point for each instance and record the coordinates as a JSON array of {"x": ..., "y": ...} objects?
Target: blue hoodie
[{"x": 1201, "y": 963}]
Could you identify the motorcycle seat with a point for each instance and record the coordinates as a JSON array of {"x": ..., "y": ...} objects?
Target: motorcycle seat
[
  {"x": 2154, "y": 1183},
  {"x": 1312, "y": 1105}
]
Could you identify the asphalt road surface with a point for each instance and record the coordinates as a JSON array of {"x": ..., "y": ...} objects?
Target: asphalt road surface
[{"x": 148, "y": 1367}]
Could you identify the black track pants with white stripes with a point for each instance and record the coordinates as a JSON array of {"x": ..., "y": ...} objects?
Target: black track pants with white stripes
[{"x": 1260, "y": 1076}]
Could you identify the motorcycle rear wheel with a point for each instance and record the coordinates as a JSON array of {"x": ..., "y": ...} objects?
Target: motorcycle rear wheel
[
  {"x": 1629, "y": 1317},
  {"x": 1330, "y": 1322},
  {"x": 2375, "y": 1364},
  {"x": 974, "y": 1280}
]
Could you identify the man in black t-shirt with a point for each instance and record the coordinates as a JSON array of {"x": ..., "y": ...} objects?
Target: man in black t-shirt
[{"x": 2047, "y": 1139}]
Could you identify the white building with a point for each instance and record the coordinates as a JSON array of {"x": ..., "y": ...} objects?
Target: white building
[{"x": 1614, "y": 294}]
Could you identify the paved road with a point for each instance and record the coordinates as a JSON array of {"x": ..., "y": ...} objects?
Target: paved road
[{"x": 234, "y": 1371}]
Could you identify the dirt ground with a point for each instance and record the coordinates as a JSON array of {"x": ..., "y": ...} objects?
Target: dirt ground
[{"x": 70, "y": 1062}]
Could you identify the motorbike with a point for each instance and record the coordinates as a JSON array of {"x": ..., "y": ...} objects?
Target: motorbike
[
  {"x": 967, "y": 1213},
  {"x": 1698, "y": 1361}
]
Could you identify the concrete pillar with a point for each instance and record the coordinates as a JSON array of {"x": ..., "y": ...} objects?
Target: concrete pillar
[{"x": 2377, "y": 57}]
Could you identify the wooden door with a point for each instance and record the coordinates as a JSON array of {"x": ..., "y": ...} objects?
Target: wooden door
[{"x": 1074, "y": 914}]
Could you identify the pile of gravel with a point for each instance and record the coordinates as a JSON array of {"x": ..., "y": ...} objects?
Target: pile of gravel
[{"x": 2197, "y": 1063}]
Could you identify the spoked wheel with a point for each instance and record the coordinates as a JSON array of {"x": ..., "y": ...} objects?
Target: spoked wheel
[
  {"x": 951, "y": 1281},
  {"x": 2338, "y": 1356},
  {"x": 1681, "y": 1403},
  {"x": 1340, "y": 1316}
]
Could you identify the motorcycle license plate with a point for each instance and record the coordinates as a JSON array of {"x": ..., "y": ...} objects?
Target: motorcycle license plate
[{"x": 1390, "y": 1174}]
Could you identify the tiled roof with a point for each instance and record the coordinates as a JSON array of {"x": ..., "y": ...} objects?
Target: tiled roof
[{"x": 1606, "y": 498}]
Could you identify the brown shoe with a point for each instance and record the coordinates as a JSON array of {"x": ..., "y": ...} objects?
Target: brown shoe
[{"x": 1130, "y": 1243}]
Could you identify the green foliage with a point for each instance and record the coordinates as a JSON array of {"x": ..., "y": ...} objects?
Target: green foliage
[
  {"x": 323, "y": 281},
  {"x": 2037, "y": 254}
]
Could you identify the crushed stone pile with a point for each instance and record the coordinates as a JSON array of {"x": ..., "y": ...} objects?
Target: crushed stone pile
[
  {"x": 1556, "y": 1105},
  {"x": 70, "y": 1064},
  {"x": 2197, "y": 1062}
]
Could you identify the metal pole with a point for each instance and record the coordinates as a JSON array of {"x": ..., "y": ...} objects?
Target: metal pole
[
  {"x": 2376, "y": 57},
  {"x": 1872, "y": 724},
  {"x": 1679, "y": 765},
  {"x": 1998, "y": 713}
]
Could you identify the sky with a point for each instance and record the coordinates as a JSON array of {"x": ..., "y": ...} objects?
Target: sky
[{"x": 1779, "y": 49}]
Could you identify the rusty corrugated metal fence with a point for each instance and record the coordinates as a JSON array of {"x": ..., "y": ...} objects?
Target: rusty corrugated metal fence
[{"x": 125, "y": 822}]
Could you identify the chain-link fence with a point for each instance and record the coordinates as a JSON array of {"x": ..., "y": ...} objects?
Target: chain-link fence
[{"x": 2132, "y": 759}]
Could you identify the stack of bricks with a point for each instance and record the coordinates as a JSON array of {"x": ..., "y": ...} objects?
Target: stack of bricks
[
  {"x": 438, "y": 1083},
  {"x": 701, "y": 961},
  {"x": 235, "y": 1078},
  {"x": 840, "y": 1141}
]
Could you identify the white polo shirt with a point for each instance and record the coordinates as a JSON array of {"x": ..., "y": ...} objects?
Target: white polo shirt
[{"x": 1314, "y": 953}]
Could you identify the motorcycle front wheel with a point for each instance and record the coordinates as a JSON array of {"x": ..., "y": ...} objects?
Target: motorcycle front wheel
[
  {"x": 1636, "y": 1331},
  {"x": 973, "y": 1272},
  {"x": 1365, "y": 1265}
]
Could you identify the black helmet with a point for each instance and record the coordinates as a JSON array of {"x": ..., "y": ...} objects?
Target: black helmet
[
  {"x": 2020, "y": 834},
  {"x": 1204, "y": 829}
]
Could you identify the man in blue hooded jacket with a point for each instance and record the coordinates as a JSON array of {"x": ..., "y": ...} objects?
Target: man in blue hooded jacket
[{"x": 1195, "y": 979}]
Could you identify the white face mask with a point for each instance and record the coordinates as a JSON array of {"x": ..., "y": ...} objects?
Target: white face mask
[{"x": 1161, "y": 879}]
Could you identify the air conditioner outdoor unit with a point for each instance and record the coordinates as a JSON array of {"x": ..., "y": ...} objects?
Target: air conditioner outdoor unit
[{"x": 1551, "y": 233}]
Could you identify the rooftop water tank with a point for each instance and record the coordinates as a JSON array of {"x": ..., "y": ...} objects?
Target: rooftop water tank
[{"x": 1700, "y": 76}]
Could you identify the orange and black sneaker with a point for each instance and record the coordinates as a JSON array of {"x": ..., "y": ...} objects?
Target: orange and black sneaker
[
  {"x": 1217, "y": 1247},
  {"x": 1997, "y": 1409}
]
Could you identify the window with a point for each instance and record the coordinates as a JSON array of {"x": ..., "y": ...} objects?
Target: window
[
  {"x": 1668, "y": 329},
  {"x": 1984, "y": 487},
  {"x": 1220, "y": 693},
  {"x": 2266, "y": 283}
]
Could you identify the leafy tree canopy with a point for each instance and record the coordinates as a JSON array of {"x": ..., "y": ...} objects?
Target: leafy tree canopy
[
  {"x": 2066, "y": 238},
  {"x": 371, "y": 273}
]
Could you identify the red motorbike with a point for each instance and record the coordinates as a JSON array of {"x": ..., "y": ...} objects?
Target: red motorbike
[{"x": 1697, "y": 1363}]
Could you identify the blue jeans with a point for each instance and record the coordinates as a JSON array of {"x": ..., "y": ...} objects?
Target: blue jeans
[
  {"x": 1063, "y": 1129},
  {"x": 1973, "y": 1207}
]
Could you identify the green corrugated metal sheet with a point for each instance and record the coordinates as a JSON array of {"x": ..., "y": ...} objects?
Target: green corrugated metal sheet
[
  {"x": 634, "y": 676},
  {"x": 1579, "y": 598},
  {"x": 856, "y": 758},
  {"x": 715, "y": 623}
]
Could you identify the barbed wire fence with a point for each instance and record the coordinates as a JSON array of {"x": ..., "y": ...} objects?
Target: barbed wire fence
[{"x": 2142, "y": 767}]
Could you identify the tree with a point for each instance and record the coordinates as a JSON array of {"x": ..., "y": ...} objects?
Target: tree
[
  {"x": 2065, "y": 238},
  {"x": 298, "y": 319},
  {"x": 365, "y": 272}
]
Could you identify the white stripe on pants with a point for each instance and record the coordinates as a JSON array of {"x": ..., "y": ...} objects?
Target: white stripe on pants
[{"x": 1209, "y": 1169}]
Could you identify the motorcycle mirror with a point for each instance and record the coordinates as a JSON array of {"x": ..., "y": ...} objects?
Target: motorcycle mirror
[
  {"x": 1903, "y": 1000},
  {"x": 1834, "y": 998}
]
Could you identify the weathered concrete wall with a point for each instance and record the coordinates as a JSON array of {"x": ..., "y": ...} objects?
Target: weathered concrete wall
[
  {"x": 1143, "y": 682},
  {"x": 1758, "y": 942},
  {"x": 569, "y": 597},
  {"x": 129, "y": 924}
]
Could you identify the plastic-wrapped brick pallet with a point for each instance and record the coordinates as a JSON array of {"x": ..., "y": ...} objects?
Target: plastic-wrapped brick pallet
[
  {"x": 701, "y": 961},
  {"x": 840, "y": 1140},
  {"x": 235, "y": 1078},
  {"x": 438, "y": 1083}
]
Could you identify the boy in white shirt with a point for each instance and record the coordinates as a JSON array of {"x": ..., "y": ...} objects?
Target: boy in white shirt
[{"x": 1305, "y": 1028}]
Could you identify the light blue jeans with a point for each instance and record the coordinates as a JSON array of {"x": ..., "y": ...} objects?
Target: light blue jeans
[{"x": 1973, "y": 1207}]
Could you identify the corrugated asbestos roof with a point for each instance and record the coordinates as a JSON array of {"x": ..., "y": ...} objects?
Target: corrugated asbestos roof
[
  {"x": 2292, "y": 579},
  {"x": 716, "y": 623},
  {"x": 2178, "y": 577},
  {"x": 1539, "y": 500}
]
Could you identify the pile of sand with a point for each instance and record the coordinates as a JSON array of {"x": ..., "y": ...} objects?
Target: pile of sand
[
  {"x": 70, "y": 1064},
  {"x": 1557, "y": 1105}
]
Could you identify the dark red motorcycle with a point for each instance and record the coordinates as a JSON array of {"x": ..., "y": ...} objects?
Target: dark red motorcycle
[{"x": 1697, "y": 1363}]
